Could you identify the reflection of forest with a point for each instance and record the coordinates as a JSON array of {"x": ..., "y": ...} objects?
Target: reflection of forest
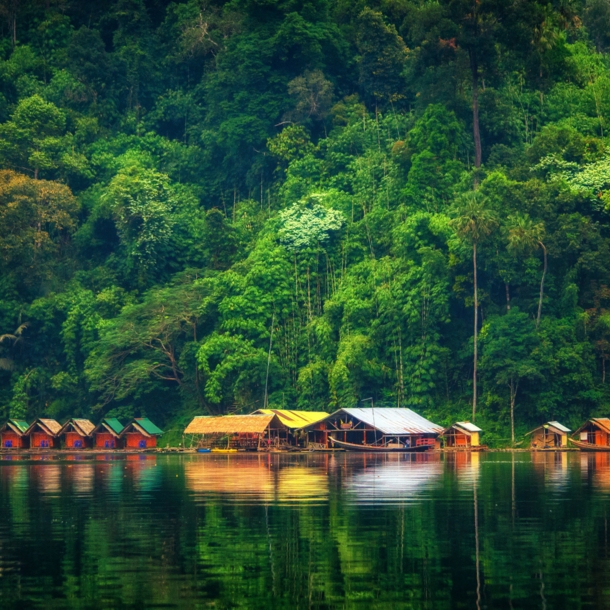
[{"x": 308, "y": 531}]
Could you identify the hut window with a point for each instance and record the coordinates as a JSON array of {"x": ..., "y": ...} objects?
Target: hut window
[
  {"x": 78, "y": 444},
  {"x": 142, "y": 444},
  {"x": 44, "y": 443},
  {"x": 8, "y": 444}
]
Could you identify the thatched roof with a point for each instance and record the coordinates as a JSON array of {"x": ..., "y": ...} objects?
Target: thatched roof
[
  {"x": 49, "y": 426},
  {"x": 294, "y": 419},
  {"x": 81, "y": 426},
  {"x": 231, "y": 424}
]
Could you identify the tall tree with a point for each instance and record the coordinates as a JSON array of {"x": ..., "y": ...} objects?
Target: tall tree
[
  {"x": 474, "y": 223},
  {"x": 526, "y": 236}
]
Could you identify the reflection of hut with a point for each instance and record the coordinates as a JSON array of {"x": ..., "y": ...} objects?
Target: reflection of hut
[
  {"x": 551, "y": 435},
  {"x": 462, "y": 435},
  {"x": 106, "y": 434},
  {"x": 44, "y": 434},
  {"x": 140, "y": 433},
  {"x": 239, "y": 431},
  {"x": 13, "y": 434},
  {"x": 369, "y": 426},
  {"x": 295, "y": 420},
  {"x": 594, "y": 434},
  {"x": 77, "y": 433}
]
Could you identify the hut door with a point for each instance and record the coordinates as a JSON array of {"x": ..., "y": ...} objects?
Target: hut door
[{"x": 8, "y": 444}]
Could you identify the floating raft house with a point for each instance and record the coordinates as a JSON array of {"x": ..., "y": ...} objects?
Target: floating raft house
[
  {"x": 249, "y": 432},
  {"x": 140, "y": 433},
  {"x": 77, "y": 433},
  {"x": 107, "y": 433},
  {"x": 44, "y": 434},
  {"x": 595, "y": 431},
  {"x": 13, "y": 434},
  {"x": 551, "y": 435},
  {"x": 368, "y": 426},
  {"x": 462, "y": 435}
]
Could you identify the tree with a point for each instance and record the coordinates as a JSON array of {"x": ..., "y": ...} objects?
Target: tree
[
  {"x": 382, "y": 59},
  {"x": 508, "y": 343},
  {"x": 525, "y": 236},
  {"x": 474, "y": 223}
]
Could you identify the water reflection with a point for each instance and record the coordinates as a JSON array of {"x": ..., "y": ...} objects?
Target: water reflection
[{"x": 280, "y": 531}]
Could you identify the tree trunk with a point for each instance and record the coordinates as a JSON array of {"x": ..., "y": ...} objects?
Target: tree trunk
[
  {"x": 476, "y": 332},
  {"x": 513, "y": 397},
  {"x": 541, "y": 284},
  {"x": 507, "y": 297},
  {"x": 474, "y": 66}
]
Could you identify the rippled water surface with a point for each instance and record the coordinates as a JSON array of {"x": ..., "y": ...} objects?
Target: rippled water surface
[{"x": 306, "y": 531}]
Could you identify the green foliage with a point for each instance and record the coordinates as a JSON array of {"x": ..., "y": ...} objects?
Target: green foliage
[{"x": 207, "y": 206}]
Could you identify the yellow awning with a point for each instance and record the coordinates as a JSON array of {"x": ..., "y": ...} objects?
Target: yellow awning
[{"x": 294, "y": 419}]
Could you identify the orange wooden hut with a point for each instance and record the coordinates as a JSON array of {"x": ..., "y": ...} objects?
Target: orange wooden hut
[
  {"x": 77, "y": 433},
  {"x": 594, "y": 435},
  {"x": 551, "y": 435},
  {"x": 462, "y": 435},
  {"x": 44, "y": 434},
  {"x": 13, "y": 434},
  {"x": 140, "y": 433},
  {"x": 107, "y": 434}
]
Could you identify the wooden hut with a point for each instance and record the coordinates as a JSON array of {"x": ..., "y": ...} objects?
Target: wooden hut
[
  {"x": 77, "y": 433},
  {"x": 384, "y": 427},
  {"x": 13, "y": 434},
  {"x": 594, "y": 434},
  {"x": 462, "y": 435},
  {"x": 248, "y": 432},
  {"x": 106, "y": 435},
  {"x": 140, "y": 433},
  {"x": 295, "y": 421},
  {"x": 551, "y": 435},
  {"x": 44, "y": 434}
]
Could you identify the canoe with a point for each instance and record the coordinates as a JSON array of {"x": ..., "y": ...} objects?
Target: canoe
[
  {"x": 589, "y": 446},
  {"x": 202, "y": 450},
  {"x": 376, "y": 448},
  {"x": 224, "y": 450}
]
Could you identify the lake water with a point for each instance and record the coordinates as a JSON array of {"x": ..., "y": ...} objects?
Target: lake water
[{"x": 495, "y": 530}]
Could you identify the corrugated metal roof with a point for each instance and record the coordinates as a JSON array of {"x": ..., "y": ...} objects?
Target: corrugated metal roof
[
  {"x": 82, "y": 426},
  {"x": 559, "y": 426},
  {"x": 394, "y": 420},
  {"x": 228, "y": 424},
  {"x": 20, "y": 426},
  {"x": 294, "y": 419},
  {"x": 109, "y": 424},
  {"x": 148, "y": 425},
  {"x": 466, "y": 425}
]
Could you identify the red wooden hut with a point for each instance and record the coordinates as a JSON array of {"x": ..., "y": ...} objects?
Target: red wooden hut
[
  {"x": 77, "y": 433},
  {"x": 140, "y": 433},
  {"x": 106, "y": 434},
  {"x": 44, "y": 434},
  {"x": 13, "y": 434}
]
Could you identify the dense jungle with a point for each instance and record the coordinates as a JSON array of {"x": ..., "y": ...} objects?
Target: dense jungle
[{"x": 212, "y": 207}]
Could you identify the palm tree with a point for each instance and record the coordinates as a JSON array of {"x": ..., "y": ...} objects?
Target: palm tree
[
  {"x": 474, "y": 223},
  {"x": 525, "y": 236}
]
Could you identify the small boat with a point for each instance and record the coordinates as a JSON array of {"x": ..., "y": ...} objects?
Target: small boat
[
  {"x": 378, "y": 448},
  {"x": 203, "y": 450},
  {"x": 224, "y": 450},
  {"x": 583, "y": 446}
]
